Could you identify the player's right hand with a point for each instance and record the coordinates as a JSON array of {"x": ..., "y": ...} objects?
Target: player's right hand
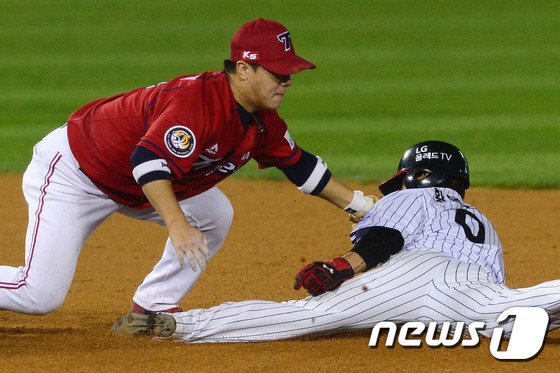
[
  {"x": 190, "y": 242},
  {"x": 320, "y": 277}
]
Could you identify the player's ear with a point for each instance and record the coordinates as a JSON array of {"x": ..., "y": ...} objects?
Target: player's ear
[{"x": 242, "y": 69}]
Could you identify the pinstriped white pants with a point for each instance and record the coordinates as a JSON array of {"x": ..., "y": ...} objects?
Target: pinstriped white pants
[{"x": 411, "y": 286}]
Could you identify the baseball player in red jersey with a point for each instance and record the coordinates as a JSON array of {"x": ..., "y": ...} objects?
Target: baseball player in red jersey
[{"x": 156, "y": 154}]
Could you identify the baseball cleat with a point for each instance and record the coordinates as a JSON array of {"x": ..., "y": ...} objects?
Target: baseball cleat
[{"x": 158, "y": 325}]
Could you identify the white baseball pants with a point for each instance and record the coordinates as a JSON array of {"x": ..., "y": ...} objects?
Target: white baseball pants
[
  {"x": 64, "y": 209},
  {"x": 411, "y": 286}
]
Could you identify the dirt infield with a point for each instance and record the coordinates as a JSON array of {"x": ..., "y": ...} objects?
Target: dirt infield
[{"x": 276, "y": 229}]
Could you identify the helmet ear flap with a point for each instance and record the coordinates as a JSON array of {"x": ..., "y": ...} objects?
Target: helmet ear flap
[
  {"x": 421, "y": 174},
  {"x": 394, "y": 183},
  {"x": 417, "y": 178}
]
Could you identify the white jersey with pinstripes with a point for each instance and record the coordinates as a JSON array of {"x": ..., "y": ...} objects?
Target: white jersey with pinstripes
[
  {"x": 449, "y": 270},
  {"x": 438, "y": 219}
]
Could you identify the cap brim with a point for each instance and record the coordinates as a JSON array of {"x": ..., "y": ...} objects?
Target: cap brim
[
  {"x": 287, "y": 66},
  {"x": 394, "y": 183}
]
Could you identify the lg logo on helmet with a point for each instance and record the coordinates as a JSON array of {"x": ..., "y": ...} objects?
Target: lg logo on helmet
[
  {"x": 423, "y": 153},
  {"x": 527, "y": 333}
]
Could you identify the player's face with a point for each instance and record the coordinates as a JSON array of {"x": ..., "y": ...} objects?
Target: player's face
[{"x": 268, "y": 89}]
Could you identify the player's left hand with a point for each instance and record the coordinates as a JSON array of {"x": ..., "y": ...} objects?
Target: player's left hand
[
  {"x": 320, "y": 277},
  {"x": 369, "y": 202},
  {"x": 189, "y": 242}
]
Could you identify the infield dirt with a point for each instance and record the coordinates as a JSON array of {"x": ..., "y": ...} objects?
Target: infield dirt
[{"x": 276, "y": 230}]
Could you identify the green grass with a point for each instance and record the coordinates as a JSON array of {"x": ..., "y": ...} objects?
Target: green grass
[{"x": 481, "y": 74}]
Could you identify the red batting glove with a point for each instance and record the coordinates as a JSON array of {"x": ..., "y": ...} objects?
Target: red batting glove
[{"x": 320, "y": 277}]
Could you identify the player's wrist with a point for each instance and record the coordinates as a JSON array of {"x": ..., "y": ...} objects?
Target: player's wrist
[
  {"x": 360, "y": 205},
  {"x": 357, "y": 203},
  {"x": 355, "y": 261}
]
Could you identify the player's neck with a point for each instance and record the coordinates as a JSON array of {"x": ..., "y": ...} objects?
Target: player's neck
[{"x": 240, "y": 95}]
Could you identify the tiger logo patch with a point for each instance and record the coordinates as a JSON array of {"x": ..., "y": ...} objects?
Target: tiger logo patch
[{"x": 180, "y": 141}]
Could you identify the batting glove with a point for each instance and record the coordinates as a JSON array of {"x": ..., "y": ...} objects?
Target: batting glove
[{"x": 320, "y": 277}]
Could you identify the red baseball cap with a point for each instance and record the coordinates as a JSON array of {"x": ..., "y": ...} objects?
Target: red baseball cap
[{"x": 268, "y": 44}]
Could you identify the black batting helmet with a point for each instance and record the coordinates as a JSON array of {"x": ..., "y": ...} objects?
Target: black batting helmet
[{"x": 428, "y": 164}]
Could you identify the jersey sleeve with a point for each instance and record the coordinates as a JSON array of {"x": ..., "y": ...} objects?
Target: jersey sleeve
[
  {"x": 310, "y": 174},
  {"x": 276, "y": 148},
  {"x": 177, "y": 119},
  {"x": 403, "y": 211},
  {"x": 175, "y": 141},
  {"x": 147, "y": 166}
]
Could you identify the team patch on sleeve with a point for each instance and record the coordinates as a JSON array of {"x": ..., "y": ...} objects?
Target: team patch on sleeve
[{"x": 180, "y": 141}]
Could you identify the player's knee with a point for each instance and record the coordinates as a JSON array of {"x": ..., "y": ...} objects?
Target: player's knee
[
  {"x": 43, "y": 308},
  {"x": 220, "y": 213},
  {"x": 45, "y": 302},
  {"x": 225, "y": 217},
  {"x": 219, "y": 227}
]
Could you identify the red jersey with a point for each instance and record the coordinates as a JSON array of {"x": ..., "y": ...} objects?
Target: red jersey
[{"x": 192, "y": 122}]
